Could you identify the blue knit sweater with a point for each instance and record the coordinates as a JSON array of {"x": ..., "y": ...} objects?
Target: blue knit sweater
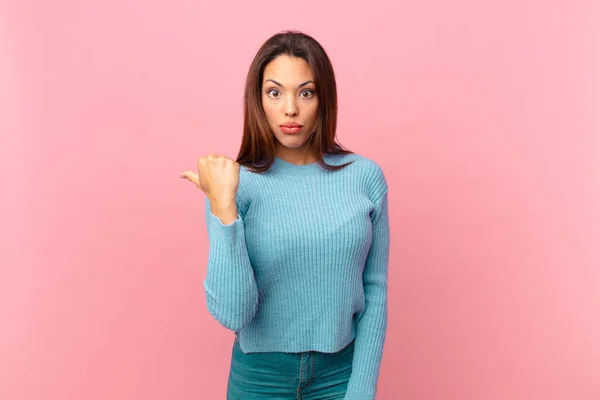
[{"x": 305, "y": 265}]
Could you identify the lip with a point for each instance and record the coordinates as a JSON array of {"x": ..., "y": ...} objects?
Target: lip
[
  {"x": 290, "y": 125},
  {"x": 290, "y": 130}
]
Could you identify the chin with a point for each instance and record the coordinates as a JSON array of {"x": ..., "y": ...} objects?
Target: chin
[{"x": 292, "y": 142}]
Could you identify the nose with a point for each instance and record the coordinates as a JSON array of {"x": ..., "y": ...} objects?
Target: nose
[{"x": 291, "y": 109}]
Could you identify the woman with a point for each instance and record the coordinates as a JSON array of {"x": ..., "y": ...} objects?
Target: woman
[{"x": 299, "y": 238}]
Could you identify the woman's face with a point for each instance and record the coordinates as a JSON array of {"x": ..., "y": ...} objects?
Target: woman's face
[{"x": 289, "y": 96}]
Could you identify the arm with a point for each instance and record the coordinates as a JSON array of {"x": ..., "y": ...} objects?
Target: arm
[
  {"x": 371, "y": 325},
  {"x": 230, "y": 287}
]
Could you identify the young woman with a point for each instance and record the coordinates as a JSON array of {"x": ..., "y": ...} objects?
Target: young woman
[{"x": 299, "y": 238}]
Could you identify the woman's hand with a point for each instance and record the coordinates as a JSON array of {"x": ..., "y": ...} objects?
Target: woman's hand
[{"x": 218, "y": 177}]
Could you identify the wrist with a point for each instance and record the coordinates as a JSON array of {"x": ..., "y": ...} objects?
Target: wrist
[{"x": 226, "y": 211}]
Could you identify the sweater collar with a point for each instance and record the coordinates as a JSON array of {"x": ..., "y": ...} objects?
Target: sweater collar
[{"x": 281, "y": 166}]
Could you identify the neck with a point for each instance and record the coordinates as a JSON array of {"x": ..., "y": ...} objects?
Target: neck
[{"x": 296, "y": 156}]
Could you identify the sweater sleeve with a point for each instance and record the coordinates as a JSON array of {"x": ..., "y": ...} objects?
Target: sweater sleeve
[
  {"x": 230, "y": 286},
  {"x": 372, "y": 323}
]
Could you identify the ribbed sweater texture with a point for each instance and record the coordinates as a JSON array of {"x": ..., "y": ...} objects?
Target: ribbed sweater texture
[{"x": 304, "y": 267}]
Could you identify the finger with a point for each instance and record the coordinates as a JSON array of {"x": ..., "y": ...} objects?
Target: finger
[{"x": 190, "y": 176}]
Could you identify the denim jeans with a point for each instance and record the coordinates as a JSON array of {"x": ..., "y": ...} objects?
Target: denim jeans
[{"x": 309, "y": 375}]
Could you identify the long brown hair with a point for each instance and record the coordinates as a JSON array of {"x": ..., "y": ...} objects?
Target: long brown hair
[{"x": 257, "y": 150}]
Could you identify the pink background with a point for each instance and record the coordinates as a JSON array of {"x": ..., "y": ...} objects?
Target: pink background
[{"x": 484, "y": 116}]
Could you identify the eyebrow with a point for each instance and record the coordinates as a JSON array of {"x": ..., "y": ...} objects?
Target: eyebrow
[{"x": 279, "y": 84}]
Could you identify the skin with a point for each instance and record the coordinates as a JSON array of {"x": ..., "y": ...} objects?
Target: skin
[{"x": 286, "y": 97}]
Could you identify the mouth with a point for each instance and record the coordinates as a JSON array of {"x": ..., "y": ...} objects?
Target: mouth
[{"x": 291, "y": 128}]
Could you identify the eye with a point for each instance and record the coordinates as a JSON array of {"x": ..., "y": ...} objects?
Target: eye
[
  {"x": 310, "y": 92},
  {"x": 272, "y": 90}
]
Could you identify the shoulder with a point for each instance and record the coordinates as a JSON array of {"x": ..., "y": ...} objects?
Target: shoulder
[
  {"x": 368, "y": 171},
  {"x": 361, "y": 161}
]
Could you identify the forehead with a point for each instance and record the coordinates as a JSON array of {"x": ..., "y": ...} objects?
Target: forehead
[{"x": 288, "y": 70}]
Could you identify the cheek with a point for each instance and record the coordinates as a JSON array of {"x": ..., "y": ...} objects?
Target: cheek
[
  {"x": 270, "y": 110},
  {"x": 312, "y": 110}
]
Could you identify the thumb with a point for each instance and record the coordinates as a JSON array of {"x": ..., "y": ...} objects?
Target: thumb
[{"x": 190, "y": 176}]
